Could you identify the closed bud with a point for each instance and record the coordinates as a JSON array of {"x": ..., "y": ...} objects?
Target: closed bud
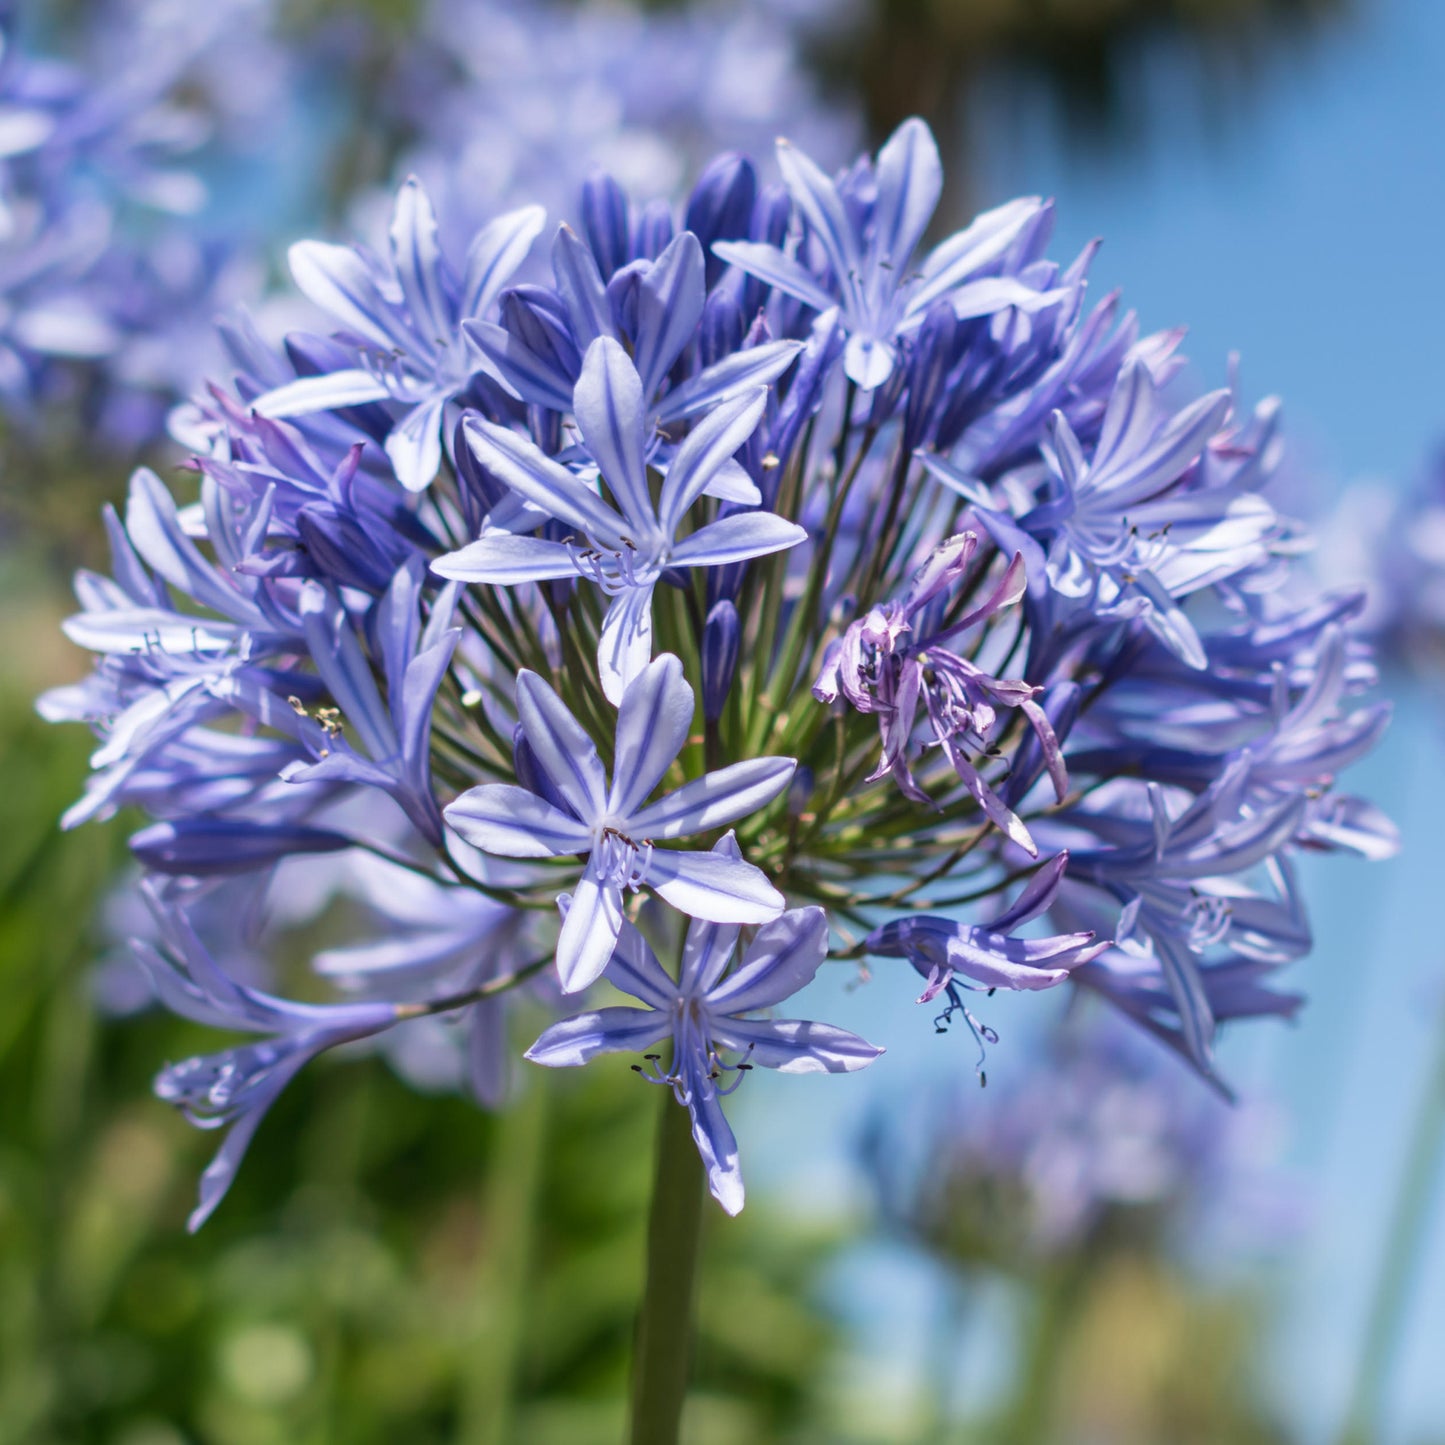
[
  {"x": 719, "y": 657},
  {"x": 604, "y": 219}
]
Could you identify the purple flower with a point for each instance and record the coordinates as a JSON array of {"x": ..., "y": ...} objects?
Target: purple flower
[
  {"x": 894, "y": 658},
  {"x": 236, "y": 1086},
  {"x": 867, "y": 226},
  {"x": 706, "y": 1013},
  {"x": 624, "y": 548},
  {"x": 404, "y": 321},
  {"x": 614, "y": 827}
]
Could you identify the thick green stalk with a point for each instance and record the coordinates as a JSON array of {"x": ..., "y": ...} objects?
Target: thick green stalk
[
  {"x": 664, "y": 1327},
  {"x": 1403, "y": 1247}
]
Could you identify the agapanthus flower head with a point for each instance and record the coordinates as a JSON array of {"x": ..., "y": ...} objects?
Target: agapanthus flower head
[{"x": 529, "y": 589}]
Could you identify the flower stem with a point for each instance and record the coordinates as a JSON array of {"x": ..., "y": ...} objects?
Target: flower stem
[
  {"x": 664, "y": 1327},
  {"x": 1398, "y": 1267}
]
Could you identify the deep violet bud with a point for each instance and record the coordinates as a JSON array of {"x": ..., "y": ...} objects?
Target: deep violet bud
[
  {"x": 720, "y": 332},
  {"x": 719, "y": 658},
  {"x": 771, "y": 213},
  {"x": 204, "y": 847},
  {"x": 604, "y": 219},
  {"x": 721, "y": 206},
  {"x": 654, "y": 230},
  {"x": 480, "y": 490}
]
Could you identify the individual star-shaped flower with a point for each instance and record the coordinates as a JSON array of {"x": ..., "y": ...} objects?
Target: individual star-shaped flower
[
  {"x": 405, "y": 321},
  {"x": 704, "y": 1013},
  {"x": 867, "y": 226},
  {"x": 623, "y": 548},
  {"x": 614, "y": 827}
]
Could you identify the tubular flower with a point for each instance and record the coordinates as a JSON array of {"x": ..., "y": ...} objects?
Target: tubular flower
[{"x": 705, "y": 1014}]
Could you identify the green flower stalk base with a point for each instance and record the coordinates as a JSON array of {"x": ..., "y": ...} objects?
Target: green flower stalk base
[{"x": 664, "y": 1327}]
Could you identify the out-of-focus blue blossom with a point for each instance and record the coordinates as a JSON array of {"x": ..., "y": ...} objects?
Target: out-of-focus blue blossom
[
  {"x": 234, "y": 1089},
  {"x": 707, "y": 1011},
  {"x": 1099, "y": 1129}
]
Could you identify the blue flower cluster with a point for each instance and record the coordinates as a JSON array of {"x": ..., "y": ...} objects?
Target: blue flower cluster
[
  {"x": 683, "y": 599},
  {"x": 107, "y": 287}
]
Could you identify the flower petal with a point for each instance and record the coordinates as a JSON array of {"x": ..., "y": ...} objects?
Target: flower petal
[
  {"x": 565, "y": 751},
  {"x": 652, "y": 725},
  {"x": 495, "y": 253},
  {"x": 618, "y": 1030},
  {"x": 707, "y": 886},
  {"x": 589, "y": 931},
  {"x": 625, "y": 646},
  {"x": 736, "y": 538},
  {"x": 506, "y": 560},
  {"x": 743, "y": 370},
  {"x": 715, "y": 798},
  {"x": 609, "y": 408},
  {"x": 508, "y": 820},
  {"x": 718, "y": 1146},
  {"x": 783, "y": 957},
  {"x": 669, "y": 304},
  {"x": 521, "y": 465},
  {"x": 778, "y": 269},
  {"x": 711, "y": 443},
  {"x": 417, "y": 253},
  {"x": 309, "y": 394},
  {"x": 415, "y": 445},
  {"x": 796, "y": 1046}
]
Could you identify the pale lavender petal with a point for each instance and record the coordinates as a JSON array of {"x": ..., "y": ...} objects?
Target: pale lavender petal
[
  {"x": 736, "y": 538},
  {"x": 625, "y": 646},
  {"x": 417, "y": 253},
  {"x": 608, "y": 403},
  {"x": 505, "y": 560},
  {"x": 340, "y": 282},
  {"x": 563, "y": 747},
  {"x": 634, "y": 969},
  {"x": 967, "y": 252},
  {"x": 910, "y": 181},
  {"x": 415, "y": 445},
  {"x": 777, "y": 269},
  {"x": 618, "y": 1030},
  {"x": 711, "y": 443},
  {"x": 521, "y": 465},
  {"x": 321, "y": 393},
  {"x": 868, "y": 361},
  {"x": 795, "y": 1046},
  {"x": 817, "y": 198},
  {"x": 720, "y": 890},
  {"x": 580, "y": 284},
  {"x": 495, "y": 253},
  {"x": 715, "y": 798},
  {"x": 589, "y": 931},
  {"x": 669, "y": 305},
  {"x": 782, "y": 958},
  {"x": 652, "y": 725},
  {"x": 743, "y": 370},
  {"x": 718, "y": 1146},
  {"x": 508, "y": 820}
]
